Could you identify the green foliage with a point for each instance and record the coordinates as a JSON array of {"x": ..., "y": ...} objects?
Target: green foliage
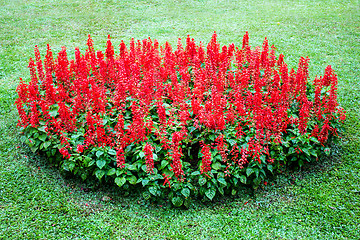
[{"x": 100, "y": 162}]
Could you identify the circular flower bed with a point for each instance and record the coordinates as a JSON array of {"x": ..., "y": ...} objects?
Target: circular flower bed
[{"x": 180, "y": 124}]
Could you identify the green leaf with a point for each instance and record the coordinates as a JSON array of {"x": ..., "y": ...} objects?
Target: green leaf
[
  {"x": 91, "y": 163},
  {"x": 34, "y": 149},
  {"x": 214, "y": 181},
  {"x": 119, "y": 171},
  {"x": 187, "y": 202},
  {"x": 100, "y": 163},
  {"x": 153, "y": 191},
  {"x": 313, "y": 152},
  {"x": 53, "y": 113},
  {"x": 43, "y": 137},
  {"x": 291, "y": 150},
  {"x": 111, "y": 172},
  {"x": 144, "y": 182},
  {"x": 84, "y": 176},
  {"x": 221, "y": 190},
  {"x": 42, "y": 129},
  {"x": 185, "y": 192},
  {"x": 99, "y": 173},
  {"x": 314, "y": 139},
  {"x": 76, "y": 136},
  {"x": 168, "y": 172},
  {"x": 158, "y": 176},
  {"x": 146, "y": 195},
  {"x": 131, "y": 179},
  {"x": 210, "y": 193},
  {"x": 222, "y": 181},
  {"x": 249, "y": 171},
  {"x": 202, "y": 181},
  {"x": 270, "y": 167},
  {"x": 120, "y": 181},
  {"x": 53, "y": 152},
  {"x": 142, "y": 154},
  {"x": 257, "y": 181},
  {"x": 128, "y": 148},
  {"x": 233, "y": 192},
  {"x": 195, "y": 173},
  {"x": 301, "y": 163},
  {"x": 216, "y": 165},
  {"x": 164, "y": 163},
  {"x": 131, "y": 167},
  {"x": 232, "y": 142},
  {"x": 235, "y": 181},
  {"x": 256, "y": 170},
  {"x": 177, "y": 201},
  {"x": 112, "y": 152},
  {"x": 99, "y": 153},
  {"x": 71, "y": 166},
  {"x": 157, "y": 148},
  {"x": 243, "y": 179},
  {"x": 218, "y": 157},
  {"x": 47, "y": 144},
  {"x": 305, "y": 150}
]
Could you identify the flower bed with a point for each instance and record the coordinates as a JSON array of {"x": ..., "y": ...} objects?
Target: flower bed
[{"x": 181, "y": 124}]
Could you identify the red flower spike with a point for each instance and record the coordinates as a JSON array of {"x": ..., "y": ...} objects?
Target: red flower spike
[
  {"x": 120, "y": 159},
  {"x": 148, "y": 150},
  {"x": 80, "y": 148},
  {"x": 64, "y": 153},
  {"x": 206, "y": 158},
  {"x": 166, "y": 180},
  {"x": 39, "y": 64}
]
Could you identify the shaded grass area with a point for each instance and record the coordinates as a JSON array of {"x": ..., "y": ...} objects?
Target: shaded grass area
[{"x": 319, "y": 202}]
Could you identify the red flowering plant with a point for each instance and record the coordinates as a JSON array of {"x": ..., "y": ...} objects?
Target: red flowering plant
[{"x": 195, "y": 121}]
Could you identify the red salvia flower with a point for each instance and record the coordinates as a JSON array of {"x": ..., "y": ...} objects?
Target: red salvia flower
[
  {"x": 176, "y": 162},
  {"x": 65, "y": 153},
  {"x": 80, "y": 148},
  {"x": 120, "y": 158},
  {"x": 166, "y": 180},
  {"x": 206, "y": 158},
  {"x": 148, "y": 150}
]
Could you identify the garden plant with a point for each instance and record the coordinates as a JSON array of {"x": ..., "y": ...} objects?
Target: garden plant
[{"x": 195, "y": 121}]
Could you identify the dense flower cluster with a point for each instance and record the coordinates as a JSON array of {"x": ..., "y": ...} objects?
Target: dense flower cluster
[{"x": 167, "y": 101}]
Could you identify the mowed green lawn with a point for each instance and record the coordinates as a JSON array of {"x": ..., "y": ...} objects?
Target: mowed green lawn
[{"x": 320, "y": 202}]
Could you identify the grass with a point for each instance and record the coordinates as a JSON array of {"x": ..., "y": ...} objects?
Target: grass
[{"x": 319, "y": 202}]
